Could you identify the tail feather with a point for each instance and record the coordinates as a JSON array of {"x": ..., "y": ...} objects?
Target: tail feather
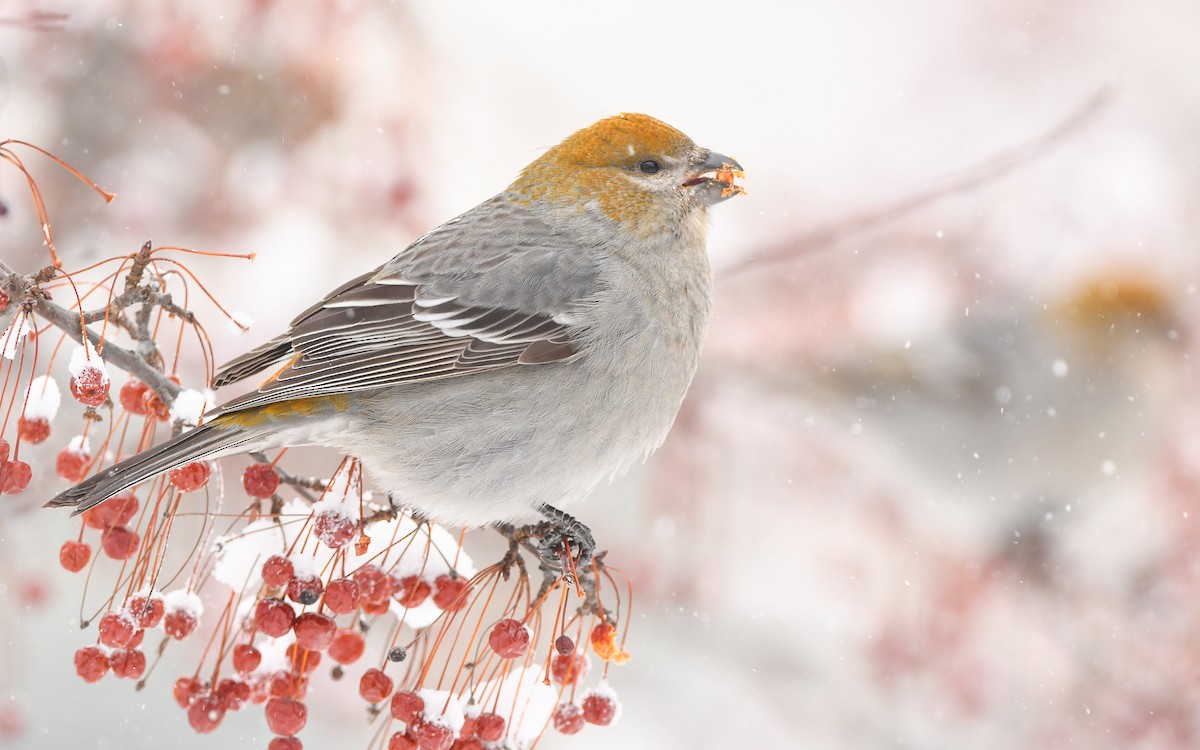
[{"x": 206, "y": 441}]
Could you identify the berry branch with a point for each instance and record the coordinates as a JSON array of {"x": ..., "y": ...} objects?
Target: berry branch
[
  {"x": 462, "y": 657},
  {"x": 33, "y": 298}
]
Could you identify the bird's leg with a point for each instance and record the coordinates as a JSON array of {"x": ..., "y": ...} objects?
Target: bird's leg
[{"x": 565, "y": 530}]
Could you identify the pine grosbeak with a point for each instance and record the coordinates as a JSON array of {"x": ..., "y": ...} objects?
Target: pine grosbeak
[{"x": 510, "y": 359}]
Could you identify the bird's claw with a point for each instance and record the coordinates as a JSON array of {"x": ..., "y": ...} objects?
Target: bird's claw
[{"x": 567, "y": 544}]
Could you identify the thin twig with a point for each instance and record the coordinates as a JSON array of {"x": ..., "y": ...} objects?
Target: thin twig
[{"x": 26, "y": 289}]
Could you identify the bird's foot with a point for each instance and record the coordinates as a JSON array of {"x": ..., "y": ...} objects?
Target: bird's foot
[{"x": 567, "y": 544}]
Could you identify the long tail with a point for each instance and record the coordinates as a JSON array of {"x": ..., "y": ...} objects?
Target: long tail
[{"x": 204, "y": 442}]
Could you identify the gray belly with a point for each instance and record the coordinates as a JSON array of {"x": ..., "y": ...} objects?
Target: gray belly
[{"x": 494, "y": 446}]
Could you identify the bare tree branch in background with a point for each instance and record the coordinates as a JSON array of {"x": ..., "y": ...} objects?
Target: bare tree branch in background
[{"x": 972, "y": 179}]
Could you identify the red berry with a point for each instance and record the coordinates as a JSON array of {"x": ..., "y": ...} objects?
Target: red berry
[
  {"x": 490, "y": 727},
  {"x": 119, "y": 542},
  {"x": 564, "y": 645},
  {"x": 411, "y": 591},
  {"x": 179, "y": 623},
  {"x": 118, "y": 510},
  {"x": 72, "y": 465},
  {"x": 374, "y": 586},
  {"x": 190, "y": 477},
  {"x": 155, "y": 405},
  {"x": 74, "y": 555},
  {"x": 450, "y": 594},
  {"x": 246, "y": 658},
  {"x": 461, "y": 744},
  {"x": 277, "y": 571},
  {"x": 568, "y": 718},
  {"x": 4, "y": 300},
  {"x": 286, "y": 715},
  {"x": 128, "y": 663},
  {"x": 303, "y": 661},
  {"x": 401, "y": 741},
  {"x": 470, "y": 724},
  {"x": 274, "y": 617},
  {"x": 90, "y": 663},
  {"x": 287, "y": 685},
  {"x": 232, "y": 693},
  {"x": 133, "y": 396},
  {"x": 375, "y": 686},
  {"x": 14, "y": 477},
  {"x": 205, "y": 713},
  {"x": 285, "y": 743},
  {"x": 90, "y": 386},
  {"x": 341, "y": 596},
  {"x": 305, "y": 589},
  {"x": 509, "y": 639},
  {"x": 375, "y": 609},
  {"x": 259, "y": 684},
  {"x": 186, "y": 689},
  {"x": 432, "y": 736},
  {"x": 599, "y": 708},
  {"x": 3, "y": 450},
  {"x": 407, "y": 705},
  {"x": 334, "y": 529},
  {"x": 147, "y": 610},
  {"x": 116, "y": 629},
  {"x": 347, "y": 646},
  {"x": 604, "y": 643},
  {"x": 260, "y": 481},
  {"x": 33, "y": 430},
  {"x": 569, "y": 669}
]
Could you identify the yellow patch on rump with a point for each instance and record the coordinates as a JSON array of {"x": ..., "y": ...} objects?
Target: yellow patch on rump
[{"x": 297, "y": 407}]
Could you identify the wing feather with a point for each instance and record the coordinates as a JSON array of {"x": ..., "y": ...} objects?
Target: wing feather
[{"x": 460, "y": 300}]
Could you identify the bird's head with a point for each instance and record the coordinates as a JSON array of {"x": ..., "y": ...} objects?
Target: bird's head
[{"x": 636, "y": 170}]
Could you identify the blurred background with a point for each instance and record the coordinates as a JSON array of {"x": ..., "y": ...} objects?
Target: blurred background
[{"x": 935, "y": 485}]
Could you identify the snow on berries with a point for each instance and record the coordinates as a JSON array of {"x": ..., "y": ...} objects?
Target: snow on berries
[
  {"x": 74, "y": 460},
  {"x": 305, "y": 601},
  {"x": 189, "y": 406},
  {"x": 89, "y": 377},
  {"x": 42, "y": 399},
  {"x": 182, "y": 611}
]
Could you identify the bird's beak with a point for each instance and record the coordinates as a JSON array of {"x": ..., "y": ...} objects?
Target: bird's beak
[{"x": 712, "y": 189}]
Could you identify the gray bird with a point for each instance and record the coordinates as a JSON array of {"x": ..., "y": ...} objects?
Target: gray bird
[{"x": 506, "y": 362}]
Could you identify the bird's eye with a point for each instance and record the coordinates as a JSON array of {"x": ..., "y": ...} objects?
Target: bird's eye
[{"x": 649, "y": 166}]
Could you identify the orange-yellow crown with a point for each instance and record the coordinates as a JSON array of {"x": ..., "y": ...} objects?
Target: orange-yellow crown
[{"x": 619, "y": 140}]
